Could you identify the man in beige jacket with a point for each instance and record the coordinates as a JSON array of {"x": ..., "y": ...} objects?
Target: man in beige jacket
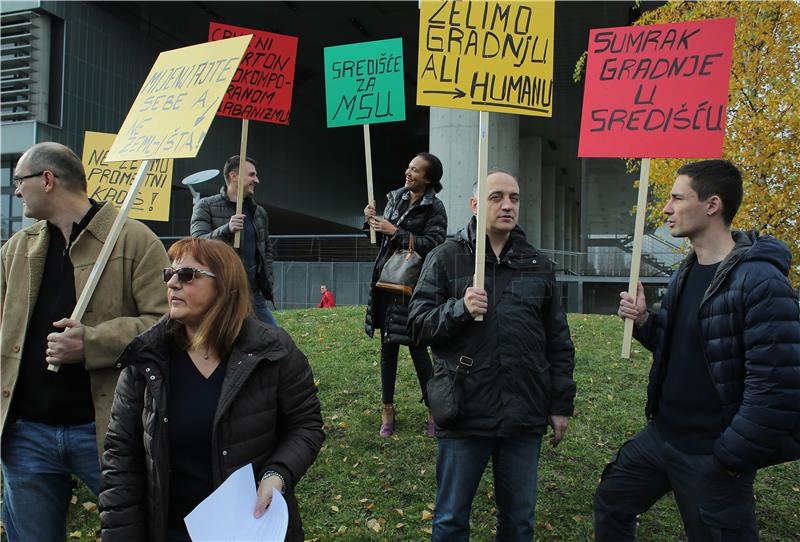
[{"x": 52, "y": 422}]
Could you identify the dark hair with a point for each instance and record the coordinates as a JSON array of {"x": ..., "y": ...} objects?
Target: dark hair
[
  {"x": 232, "y": 164},
  {"x": 434, "y": 171},
  {"x": 716, "y": 178},
  {"x": 59, "y": 159}
]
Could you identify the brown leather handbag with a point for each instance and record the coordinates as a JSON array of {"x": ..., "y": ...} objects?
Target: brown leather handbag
[{"x": 401, "y": 270}]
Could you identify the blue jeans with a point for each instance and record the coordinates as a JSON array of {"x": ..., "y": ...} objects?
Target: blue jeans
[
  {"x": 262, "y": 311},
  {"x": 459, "y": 466},
  {"x": 38, "y": 460}
]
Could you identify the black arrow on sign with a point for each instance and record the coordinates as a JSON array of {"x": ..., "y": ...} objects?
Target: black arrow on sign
[{"x": 457, "y": 93}]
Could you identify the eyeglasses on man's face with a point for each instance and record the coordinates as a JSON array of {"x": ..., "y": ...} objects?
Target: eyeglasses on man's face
[
  {"x": 22, "y": 178},
  {"x": 185, "y": 274}
]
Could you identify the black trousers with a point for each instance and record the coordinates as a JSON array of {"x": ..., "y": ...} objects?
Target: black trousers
[
  {"x": 714, "y": 505},
  {"x": 422, "y": 364}
]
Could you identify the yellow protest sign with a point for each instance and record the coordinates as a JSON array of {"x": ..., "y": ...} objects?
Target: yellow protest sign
[
  {"x": 178, "y": 100},
  {"x": 489, "y": 56},
  {"x": 111, "y": 181}
]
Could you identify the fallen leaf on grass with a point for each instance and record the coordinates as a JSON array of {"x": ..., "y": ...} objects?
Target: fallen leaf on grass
[
  {"x": 75, "y": 534},
  {"x": 90, "y": 506},
  {"x": 400, "y": 511},
  {"x": 335, "y": 508},
  {"x": 428, "y": 530},
  {"x": 399, "y": 525},
  {"x": 426, "y": 515},
  {"x": 374, "y": 525},
  {"x": 74, "y": 499},
  {"x": 431, "y": 506}
]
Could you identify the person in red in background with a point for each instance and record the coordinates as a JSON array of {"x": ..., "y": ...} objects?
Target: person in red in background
[{"x": 327, "y": 301}]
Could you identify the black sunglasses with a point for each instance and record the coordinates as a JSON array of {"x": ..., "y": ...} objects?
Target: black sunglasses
[{"x": 185, "y": 274}]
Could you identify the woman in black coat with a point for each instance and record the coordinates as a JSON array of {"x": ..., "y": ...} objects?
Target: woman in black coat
[
  {"x": 205, "y": 391},
  {"x": 414, "y": 210}
]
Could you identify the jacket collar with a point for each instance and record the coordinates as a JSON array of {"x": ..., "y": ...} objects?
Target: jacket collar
[
  {"x": 405, "y": 193},
  {"x": 516, "y": 247},
  {"x": 255, "y": 342},
  {"x": 743, "y": 243},
  {"x": 100, "y": 225},
  {"x": 248, "y": 200}
]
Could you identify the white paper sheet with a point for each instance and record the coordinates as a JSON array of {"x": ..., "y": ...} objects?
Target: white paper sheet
[{"x": 227, "y": 514}]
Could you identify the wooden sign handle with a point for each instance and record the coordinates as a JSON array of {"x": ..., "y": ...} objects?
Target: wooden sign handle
[
  {"x": 370, "y": 189},
  {"x": 108, "y": 246},
  {"x": 242, "y": 175},
  {"x": 480, "y": 228},
  {"x": 636, "y": 256}
]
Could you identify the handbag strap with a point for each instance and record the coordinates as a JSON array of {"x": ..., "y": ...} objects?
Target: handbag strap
[{"x": 411, "y": 242}]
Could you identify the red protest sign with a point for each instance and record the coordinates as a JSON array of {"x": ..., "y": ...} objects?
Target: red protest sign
[
  {"x": 261, "y": 89},
  {"x": 657, "y": 91}
]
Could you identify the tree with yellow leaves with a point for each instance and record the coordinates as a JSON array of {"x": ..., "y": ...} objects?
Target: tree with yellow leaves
[{"x": 762, "y": 135}]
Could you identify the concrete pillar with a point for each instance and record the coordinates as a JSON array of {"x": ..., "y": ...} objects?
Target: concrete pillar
[
  {"x": 530, "y": 186},
  {"x": 454, "y": 139},
  {"x": 568, "y": 263},
  {"x": 558, "y": 242},
  {"x": 504, "y": 142},
  {"x": 548, "y": 207}
]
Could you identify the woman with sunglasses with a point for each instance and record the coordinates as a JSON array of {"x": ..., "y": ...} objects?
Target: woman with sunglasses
[{"x": 206, "y": 390}]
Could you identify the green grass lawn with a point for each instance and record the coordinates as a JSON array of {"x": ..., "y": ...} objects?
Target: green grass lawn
[{"x": 363, "y": 487}]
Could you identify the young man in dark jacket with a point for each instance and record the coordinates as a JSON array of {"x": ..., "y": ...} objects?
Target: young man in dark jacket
[
  {"x": 724, "y": 393},
  {"x": 516, "y": 366},
  {"x": 215, "y": 218}
]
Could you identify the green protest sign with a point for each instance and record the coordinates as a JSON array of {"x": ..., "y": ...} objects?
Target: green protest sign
[{"x": 364, "y": 83}]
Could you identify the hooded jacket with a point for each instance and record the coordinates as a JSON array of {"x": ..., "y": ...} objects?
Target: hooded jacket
[
  {"x": 428, "y": 222},
  {"x": 522, "y": 369},
  {"x": 210, "y": 220},
  {"x": 750, "y": 337},
  {"x": 268, "y": 415}
]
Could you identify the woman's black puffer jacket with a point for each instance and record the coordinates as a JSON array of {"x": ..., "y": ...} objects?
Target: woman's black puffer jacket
[{"x": 268, "y": 415}]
